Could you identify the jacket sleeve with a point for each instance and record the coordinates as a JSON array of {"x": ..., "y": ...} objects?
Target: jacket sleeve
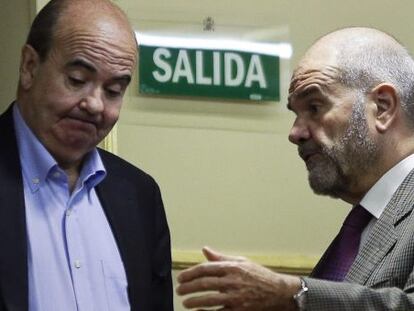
[{"x": 327, "y": 295}]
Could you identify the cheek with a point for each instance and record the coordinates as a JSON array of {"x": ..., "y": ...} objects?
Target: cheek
[
  {"x": 111, "y": 115},
  {"x": 337, "y": 121},
  {"x": 51, "y": 82},
  {"x": 57, "y": 99},
  {"x": 329, "y": 132}
]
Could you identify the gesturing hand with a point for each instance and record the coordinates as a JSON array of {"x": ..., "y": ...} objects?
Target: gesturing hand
[{"x": 235, "y": 283}]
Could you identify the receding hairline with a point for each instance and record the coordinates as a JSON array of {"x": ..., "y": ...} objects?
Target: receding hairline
[
  {"x": 50, "y": 21},
  {"x": 345, "y": 43},
  {"x": 351, "y": 39},
  {"x": 101, "y": 10},
  {"x": 96, "y": 7},
  {"x": 365, "y": 57},
  {"x": 357, "y": 36}
]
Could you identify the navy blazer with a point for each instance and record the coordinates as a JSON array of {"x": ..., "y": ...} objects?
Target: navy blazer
[{"x": 132, "y": 203}]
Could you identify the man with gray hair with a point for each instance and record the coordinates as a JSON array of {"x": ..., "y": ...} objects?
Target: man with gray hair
[{"x": 353, "y": 97}]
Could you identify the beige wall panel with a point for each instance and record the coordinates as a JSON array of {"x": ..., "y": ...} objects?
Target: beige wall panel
[
  {"x": 15, "y": 19},
  {"x": 236, "y": 190}
]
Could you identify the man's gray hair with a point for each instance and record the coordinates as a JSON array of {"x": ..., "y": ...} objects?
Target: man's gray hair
[{"x": 365, "y": 65}]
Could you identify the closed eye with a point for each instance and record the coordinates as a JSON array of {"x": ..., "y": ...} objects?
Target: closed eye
[
  {"x": 76, "y": 82},
  {"x": 113, "y": 94},
  {"x": 314, "y": 105}
]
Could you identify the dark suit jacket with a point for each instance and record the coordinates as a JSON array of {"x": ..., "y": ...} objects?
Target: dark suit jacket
[{"x": 132, "y": 203}]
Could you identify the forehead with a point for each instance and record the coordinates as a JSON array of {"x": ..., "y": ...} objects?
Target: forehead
[
  {"x": 323, "y": 87},
  {"x": 105, "y": 38},
  {"x": 312, "y": 77},
  {"x": 319, "y": 65}
]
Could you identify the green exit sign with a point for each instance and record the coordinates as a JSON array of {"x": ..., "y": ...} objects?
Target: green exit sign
[{"x": 208, "y": 73}]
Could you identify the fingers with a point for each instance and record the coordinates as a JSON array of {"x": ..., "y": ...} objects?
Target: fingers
[
  {"x": 202, "y": 270},
  {"x": 198, "y": 285},
  {"x": 221, "y": 284},
  {"x": 218, "y": 265},
  {"x": 205, "y": 301},
  {"x": 221, "y": 275},
  {"x": 213, "y": 255},
  {"x": 233, "y": 283}
]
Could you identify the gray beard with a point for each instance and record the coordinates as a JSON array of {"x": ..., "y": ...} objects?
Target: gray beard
[{"x": 340, "y": 166}]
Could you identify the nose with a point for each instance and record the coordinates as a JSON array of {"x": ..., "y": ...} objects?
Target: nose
[
  {"x": 93, "y": 102},
  {"x": 299, "y": 132}
]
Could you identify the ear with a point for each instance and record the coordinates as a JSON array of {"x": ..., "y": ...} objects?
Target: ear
[
  {"x": 387, "y": 102},
  {"x": 29, "y": 64}
]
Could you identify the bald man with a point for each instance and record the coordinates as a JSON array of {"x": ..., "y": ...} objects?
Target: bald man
[
  {"x": 80, "y": 229},
  {"x": 353, "y": 97}
]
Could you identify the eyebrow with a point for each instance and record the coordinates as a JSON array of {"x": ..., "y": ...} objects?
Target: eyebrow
[
  {"x": 124, "y": 79},
  {"x": 81, "y": 63},
  {"x": 304, "y": 93}
]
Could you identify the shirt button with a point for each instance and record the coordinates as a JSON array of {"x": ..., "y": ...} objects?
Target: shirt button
[
  {"x": 68, "y": 212},
  {"x": 77, "y": 264},
  {"x": 56, "y": 174},
  {"x": 36, "y": 181}
]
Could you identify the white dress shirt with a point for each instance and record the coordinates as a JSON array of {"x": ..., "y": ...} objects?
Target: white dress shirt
[{"x": 377, "y": 198}]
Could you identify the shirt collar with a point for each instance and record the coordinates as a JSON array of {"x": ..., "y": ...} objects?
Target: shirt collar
[
  {"x": 37, "y": 163},
  {"x": 377, "y": 198},
  {"x": 93, "y": 170}
]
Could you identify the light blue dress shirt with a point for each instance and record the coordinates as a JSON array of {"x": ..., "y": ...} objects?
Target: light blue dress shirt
[{"x": 73, "y": 259}]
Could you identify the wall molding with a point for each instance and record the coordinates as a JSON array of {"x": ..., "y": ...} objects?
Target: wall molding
[
  {"x": 110, "y": 142},
  {"x": 290, "y": 264}
]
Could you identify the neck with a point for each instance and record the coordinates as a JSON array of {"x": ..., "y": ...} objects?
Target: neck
[
  {"x": 73, "y": 176},
  {"x": 362, "y": 184},
  {"x": 72, "y": 171}
]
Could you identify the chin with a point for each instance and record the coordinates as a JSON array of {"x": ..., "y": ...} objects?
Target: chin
[
  {"x": 70, "y": 156},
  {"x": 329, "y": 184}
]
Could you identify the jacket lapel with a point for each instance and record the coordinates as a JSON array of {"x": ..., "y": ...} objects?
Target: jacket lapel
[
  {"x": 384, "y": 234},
  {"x": 13, "y": 242}
]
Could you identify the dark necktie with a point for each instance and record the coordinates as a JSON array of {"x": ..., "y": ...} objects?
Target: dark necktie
[{"x": 343, "y": 250}]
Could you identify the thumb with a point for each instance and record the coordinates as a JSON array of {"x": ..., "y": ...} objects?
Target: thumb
[{"x": 213, "y": 255}]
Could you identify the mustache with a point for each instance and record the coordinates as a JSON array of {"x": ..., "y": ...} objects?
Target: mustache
[{"x": 309, "y": 148}]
